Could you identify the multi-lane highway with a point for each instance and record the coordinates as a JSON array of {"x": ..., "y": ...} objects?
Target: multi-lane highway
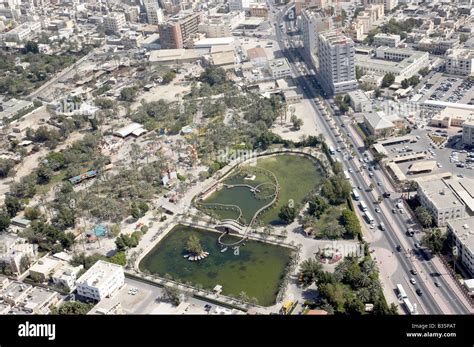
[{"x": 433, "y": 300}]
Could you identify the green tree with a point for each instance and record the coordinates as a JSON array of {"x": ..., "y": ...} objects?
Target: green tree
[
  {"x": 317, "y": 206},
  {"x": 351, "y": 223},
  {"x": 13, "y": 205},
  {"x": 32, "y": 213},
  {"x": 309, "y": 271},
  {"x": 424, "y": 216},
  {"x": 43, "y": 174},
  {"x": 73, "y": 308},
  {"x": 434, "y": 240},
  {"x": 169, "y": 77},
  {"x": 4, "y": 221},
  {"x": 359, "y": 72},
  {"x": 6, "y": 165},
  {"x": 388, "y": 80},
  {"x": 297, "y": 122},
  {"x": 119, "y": 258},
  {"x": 172, "y": 294},
  {"x": 128, "y": 94},
  {"x": 287, "y": 214},
  {"x": 193, "y": 245},
  {"x": 424, "y": 72}
]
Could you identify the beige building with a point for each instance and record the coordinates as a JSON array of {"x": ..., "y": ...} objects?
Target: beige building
[
  {"x": 460, "y": 62},
  {"x": 388, "y": 40},
  {"x": 102, "y": 280},
  {"x": 462, "y": 231},
  {"x": 114, "y": 21},
  {"x": 279, "y": 68},
  {"x": 443, "y": 204},
  {"x": 13, "y": 249},
  {"x": 452, "y": 117},
  {"x": 380, "y": 124}
]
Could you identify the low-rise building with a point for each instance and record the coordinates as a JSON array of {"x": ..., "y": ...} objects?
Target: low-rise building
[
  {"x": 15, "y": 292},
  {"x": 359, "y": 101},
  {"x": 13, "y": 249},
  {"x": 443, "y": 204},
  {"x": 38, "y": 301},
  {"x": 66, "y": 276},
  {"x": 279, "y": 68},
  {"x": 257, "y": 56},
  {"x": 460, "y": 62},
  {"x": 371, "y": 81},
  {"x": 380, "y": 124},
  {"x": 114, "y": 22},
  {"x": 402, "y": 63},
  {"x": 102, "y": 280},
  {"x": 462, "y": 231},
  {"x": 468, "y": 133},
  {"x": 259, "y": 10},
  {"x": 388, "y": 40},
  {"x": 13, "y": 107},
  {"x": 44, "y": 268}
]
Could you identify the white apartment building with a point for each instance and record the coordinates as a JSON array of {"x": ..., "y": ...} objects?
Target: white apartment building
[
  {"x": 388, "y": 40},
  {"x": 23, "y": 32},
  {"x": 221, "y": 25},
  {"x": 460, "y": 62},
  {"x": 102, "y": 280},
  {"x": 13, "y": 249},
  {"x": 279, "y": 68},
  {"x": 388, "y": 4},
  {"x": 241, "y": 5},
  {"x": 313, "y": 21},
  {"x": 66, "y": 276},
  {"x": 462, "y": 231},
  {"x": 402, "y": 63},
  {"x": 114, "y": 21},
  {"x": 359, "y": 101},
  {"x": 154, "y": 13},
  {"x": 443, "y": 204},
  {"x": 336, "y": 62}
]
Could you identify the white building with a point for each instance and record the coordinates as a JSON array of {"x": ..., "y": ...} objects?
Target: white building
[
  {"x": 388, "y": 40},
  {"x": 154, "y": 13},
  {"x": 279, "y": 68},
  {"x": 313, "y": 21},
  {"x": 66, "y": 276},
  {"x": 402, "y": 63},
  {"x": 359, "y": 101},
  {"x": 13, "y": 249},
  {"x": 442, "y": 203},
  {"x": 462, "y": 231},
  {"x": 221, "y": 24},
  {"x": 240, "y": 5},
  {"x": 23, "y": 32},
  {"x": 114, "y": 21},
  {"x": 336, "y": 62},
  {"x": 102, "y": 280},
  {"x": 460, "y": 62}
]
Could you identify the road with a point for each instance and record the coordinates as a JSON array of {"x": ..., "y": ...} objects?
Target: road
[{"x": 430, "y": 301}]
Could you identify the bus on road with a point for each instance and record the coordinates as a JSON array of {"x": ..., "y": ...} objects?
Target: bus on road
[
  {"x": 346, "y": 175},
  {"x": 363, "y": 205},
  {"x": 401, "y": 292},
  {"x": 369, "y": 217},
  {"x": 409, "y": 306},
  {"x": 355, "y": 194},
  {"x": 331, "y": 150}
]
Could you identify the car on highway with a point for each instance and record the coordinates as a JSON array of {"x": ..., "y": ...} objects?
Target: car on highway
[
  {"x": 410, "y": 232},
  {"x": 412, "y": 281},
  {"x": 377, "y": 210},
  {"x": 417, "y": 245},
  {"x": 414, "y": 272},
  {"x": 419, "y": 292},
  {"x": 437, "y": 284},
  {"x": 394, "y": 211},
  {"x": 399, "y": 248}
]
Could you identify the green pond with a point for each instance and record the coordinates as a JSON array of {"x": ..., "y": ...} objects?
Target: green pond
[
  {"x": 297, "y": 176},
  {"x": 257, "y": 269}
]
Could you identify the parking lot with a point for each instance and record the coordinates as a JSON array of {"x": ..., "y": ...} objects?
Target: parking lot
[
  {"x": 137, "y": 297},
  {"x": 449, "y": 89}
]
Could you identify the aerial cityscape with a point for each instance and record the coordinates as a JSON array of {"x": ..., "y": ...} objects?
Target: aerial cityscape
[{"x": 237, "y": 157}]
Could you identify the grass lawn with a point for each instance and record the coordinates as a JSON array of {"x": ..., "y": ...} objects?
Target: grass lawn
[{"x": 297, "y": 176}]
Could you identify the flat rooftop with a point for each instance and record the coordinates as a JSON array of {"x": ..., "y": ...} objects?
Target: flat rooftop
[
  {"x": 101, "y": 272},
  {"x": 464, "y": 189},
  {"x": 439, "y": 194},
  {"x": 280, "y": 64},
  {"x": 464, "y": 230}
]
